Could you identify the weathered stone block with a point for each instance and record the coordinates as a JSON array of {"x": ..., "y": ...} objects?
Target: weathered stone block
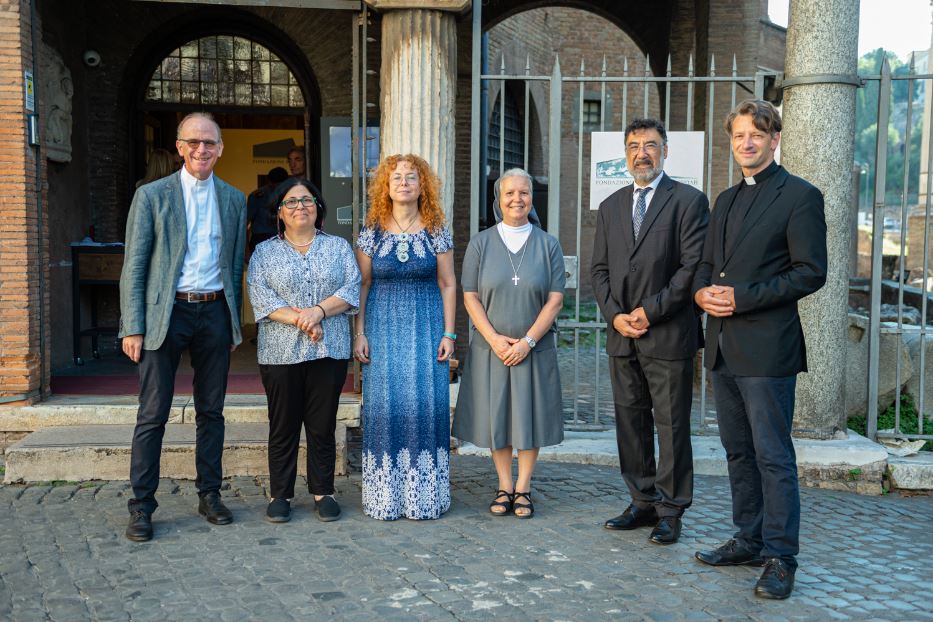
[{"x": 891, "y": 350}]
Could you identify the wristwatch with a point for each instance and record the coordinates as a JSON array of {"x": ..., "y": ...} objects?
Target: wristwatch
[{"x": 531, "y": 342}]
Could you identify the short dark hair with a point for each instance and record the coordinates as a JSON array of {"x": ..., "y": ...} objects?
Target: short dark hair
[
  {"x": 764, "y": 115},
  {"x": 646, "y": 124},
  {"x": 299, "y": 149},
  {"x": 283, "y": 188},
  {"x": 277, "y": 175}
]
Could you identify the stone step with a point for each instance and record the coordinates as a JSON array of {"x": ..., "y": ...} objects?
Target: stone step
[
  {"x": 102, "y": 452},
  {"x": 911, "y": 472},
  {"x": 70, "y": 410}
]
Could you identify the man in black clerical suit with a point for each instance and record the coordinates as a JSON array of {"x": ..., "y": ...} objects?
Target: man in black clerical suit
[
  {"x": 765, "y": 249},
  {"x": 649, "y": 240}
]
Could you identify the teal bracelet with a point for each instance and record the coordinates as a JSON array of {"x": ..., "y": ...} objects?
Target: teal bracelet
[{"x": 452, "y": 336}]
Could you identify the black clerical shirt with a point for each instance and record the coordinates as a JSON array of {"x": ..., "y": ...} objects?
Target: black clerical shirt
[{"x": 743, "y": 201}]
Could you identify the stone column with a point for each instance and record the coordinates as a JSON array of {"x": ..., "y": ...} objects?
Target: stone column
[
  {"x": 818, "y": 145},
  {"x": 418, "y": 80}
]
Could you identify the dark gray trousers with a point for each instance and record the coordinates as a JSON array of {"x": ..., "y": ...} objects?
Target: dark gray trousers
[
  {"x": 654, "y": 393},
  {"x": 204, "y": 329}
]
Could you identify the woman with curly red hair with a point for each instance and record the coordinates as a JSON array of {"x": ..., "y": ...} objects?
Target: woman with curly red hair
[{"x": 404, "y": 338}]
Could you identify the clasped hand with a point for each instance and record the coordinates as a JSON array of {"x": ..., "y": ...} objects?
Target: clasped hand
[
  {"x": 634, "y": 324},
  {"x": 717, "y": 300},
  {"x": 510, "y": 350},
  {"x": 309, "y": 322}
]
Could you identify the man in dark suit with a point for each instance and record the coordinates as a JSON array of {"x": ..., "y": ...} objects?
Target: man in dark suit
[
  {"x": 765, "y": 250},
  {"x": 649, "y": 240},
  {"x": 180, "y": 289}
]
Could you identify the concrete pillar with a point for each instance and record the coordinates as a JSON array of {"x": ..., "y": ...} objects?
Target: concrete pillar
[
  {"x": 818, "y": 145},
  {"x": 418, "y": 82}
]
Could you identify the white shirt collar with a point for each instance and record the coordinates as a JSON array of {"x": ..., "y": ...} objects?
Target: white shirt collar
[
  {"x": 653, "y": 185},
  {"x": 190, "y": 180}
]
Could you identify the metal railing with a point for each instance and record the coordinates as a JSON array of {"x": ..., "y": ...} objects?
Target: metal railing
[{"x": 879, "y": 285}]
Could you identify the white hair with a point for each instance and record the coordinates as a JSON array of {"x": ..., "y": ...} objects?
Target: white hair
[{"x": 515, "y": 172}]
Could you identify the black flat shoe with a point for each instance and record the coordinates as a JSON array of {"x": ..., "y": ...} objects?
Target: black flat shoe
[
  {"x": 505, "y": 505},
  {"x": 777, "y": 580},
  {"x": 517, "y": 506},
  {"x": 279, "y": 511},
  {"x": 327, "y": 509},
  {"x": 632, "y": 518},
  {"x": 729, "y": 554},
  {"x": 140, "y": 527},
  {"x": 667, "y": 531},
  {"x": 213, "y": 509}
]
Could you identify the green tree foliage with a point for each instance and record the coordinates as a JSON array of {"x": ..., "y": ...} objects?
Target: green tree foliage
[{"x": 866, "y": 129}]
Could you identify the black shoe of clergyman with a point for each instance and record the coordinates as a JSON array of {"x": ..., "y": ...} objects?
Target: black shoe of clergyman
[
  {"x": 777, "y": 580},
  {"x": 140, "y": 527},
  {"x": 279, "y": 511},
  {"x": 327, "y": 508},
  {"x": 632, "y": 518},
  {"x": 729, "y": 554},
  {"x": 667, "y": 531},
  {"x": 213, "y": 509}
]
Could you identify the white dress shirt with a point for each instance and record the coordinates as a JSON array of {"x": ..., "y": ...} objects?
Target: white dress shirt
[
  {"x": 200, "y": 271},
  {"x": 650, "y": 195}
]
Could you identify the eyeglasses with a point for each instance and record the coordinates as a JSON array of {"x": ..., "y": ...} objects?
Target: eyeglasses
[
  {"x": 648, "y": 147},
  {"x": 291, "y": 204},
  {"x": 396, "y": 180},
  {"x": 194, "y": 143}
]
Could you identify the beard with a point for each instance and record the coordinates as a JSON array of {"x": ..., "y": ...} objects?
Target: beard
[{"x": 647, "y": 176}]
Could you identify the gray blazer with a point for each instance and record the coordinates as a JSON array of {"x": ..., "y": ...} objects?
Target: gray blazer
[{"x": 156, "y": 243}]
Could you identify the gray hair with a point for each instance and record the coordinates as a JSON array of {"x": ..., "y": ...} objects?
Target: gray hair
[{"x": 198, "y": 115}]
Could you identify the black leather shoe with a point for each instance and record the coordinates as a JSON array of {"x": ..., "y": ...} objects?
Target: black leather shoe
[
  {"x": 327, "y": 508},
  {"x": 777, "y": 580},
  {"x": 140, "y": 527},
  {"x": 279, "y": 511},
  {"x": 667, "y": 531},
  {"x": 729, "y": 554},
  {"x": 213, "y": 509},
  {"x": 632, "y": 518}
]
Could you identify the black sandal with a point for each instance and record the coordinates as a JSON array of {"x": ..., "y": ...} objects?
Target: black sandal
[
  {"x": 501, "y": 504},
  {"x": 529, "y": 506}
]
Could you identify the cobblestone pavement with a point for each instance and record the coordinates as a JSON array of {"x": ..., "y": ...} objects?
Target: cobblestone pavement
[{"x": 63, "y": 557}]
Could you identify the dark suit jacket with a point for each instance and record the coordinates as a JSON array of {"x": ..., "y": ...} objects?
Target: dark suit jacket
[
  {"x": 656, "y": 272},
  {"x": 779, "y": 257}
]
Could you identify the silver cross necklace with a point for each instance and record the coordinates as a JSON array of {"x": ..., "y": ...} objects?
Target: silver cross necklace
[{"x": 515, "y": 277}]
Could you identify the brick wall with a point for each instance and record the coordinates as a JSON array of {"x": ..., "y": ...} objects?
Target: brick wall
[{"x": 21, "y": 301}]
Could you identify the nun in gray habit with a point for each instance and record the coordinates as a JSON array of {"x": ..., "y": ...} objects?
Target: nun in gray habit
[{"x": 513, "y": 289}]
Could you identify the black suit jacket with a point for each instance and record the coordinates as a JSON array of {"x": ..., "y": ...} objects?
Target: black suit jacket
[
  {"x": 777, "y": 258},
  {"x": 656, "y": 272}
]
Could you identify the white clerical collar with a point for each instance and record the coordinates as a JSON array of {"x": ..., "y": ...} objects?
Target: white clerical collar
[
  {"x": 750, "y": 181},
  {"x": 519, "y": 229},
  {"x": 190, "y": 180}
]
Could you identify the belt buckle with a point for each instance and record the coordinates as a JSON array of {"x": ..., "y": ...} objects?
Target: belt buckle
[{"x": 192, "y": 296}]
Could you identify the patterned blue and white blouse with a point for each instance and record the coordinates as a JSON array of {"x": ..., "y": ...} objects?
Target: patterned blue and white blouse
[{"x": 279, "y": 276}]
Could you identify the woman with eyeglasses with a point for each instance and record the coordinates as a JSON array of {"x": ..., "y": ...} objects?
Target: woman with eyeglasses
[
  {"x": 404, "y": 338},
  {"x": 302, "y": 285}
]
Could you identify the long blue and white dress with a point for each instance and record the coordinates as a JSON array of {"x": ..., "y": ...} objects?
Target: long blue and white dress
[{"x": 406, "y": 399}]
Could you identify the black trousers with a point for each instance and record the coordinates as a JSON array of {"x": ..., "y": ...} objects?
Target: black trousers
[
  {"x": 305, "y": 393},
  {"x": 755, "y": 416},
  {"x": 204, "y": 329},
  {"x": 640, "y": 385}
]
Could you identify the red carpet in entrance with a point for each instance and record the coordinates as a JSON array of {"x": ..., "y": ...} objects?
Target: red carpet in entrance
[{"x": 237, "y": 384}]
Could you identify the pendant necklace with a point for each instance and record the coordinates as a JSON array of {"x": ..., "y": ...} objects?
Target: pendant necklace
[
  {"x": 401, "y": 249},
  {"x": 515, "y": 277}
]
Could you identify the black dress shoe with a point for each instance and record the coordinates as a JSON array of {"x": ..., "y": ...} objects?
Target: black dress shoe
[
  {"x": 667, "y": 531},
  {"x": 777, "y": 580},
  {"x": 140, "y": 527},
  {"x": 729, "y": 554},
  {"x": 279, "y": 511},
  {"x": 327, "y": 508},
  {"x": 632, "y": 518},
  {"x": 213, "y": 509}
]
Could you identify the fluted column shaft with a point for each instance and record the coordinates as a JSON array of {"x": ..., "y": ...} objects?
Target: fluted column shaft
[
  {"x": 818, "y": 145},
  {"x": 418, "y": 86}
]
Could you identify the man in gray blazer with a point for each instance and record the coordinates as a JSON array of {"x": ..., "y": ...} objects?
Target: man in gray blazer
[
  {"x": 649, "y": 241},
  {"x": 180, "y": 289}
]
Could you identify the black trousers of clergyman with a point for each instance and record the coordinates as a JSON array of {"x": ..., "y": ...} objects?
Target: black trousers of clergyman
[
  {"x": 204, "y": 329},
  {"x": 306, "y": 394},
  {"x": 654, "y": 393}
]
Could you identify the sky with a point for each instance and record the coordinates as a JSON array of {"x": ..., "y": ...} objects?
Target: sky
[{"x": 900, "y": 26}]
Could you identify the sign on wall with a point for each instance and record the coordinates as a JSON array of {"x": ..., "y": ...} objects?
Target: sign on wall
[{"x": 609, "y": 171}]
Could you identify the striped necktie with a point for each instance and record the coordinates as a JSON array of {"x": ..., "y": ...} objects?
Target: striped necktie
[{"x": 641, "y": 206}]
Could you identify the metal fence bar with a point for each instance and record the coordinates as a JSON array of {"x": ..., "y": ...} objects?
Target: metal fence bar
[
  {"x": 553, "y": 195},
  {"x": 476, "y": 124},
  {"x": 926, "y": 261},
  {"x": 690, "y": 84},
  {"x": 874, "y": 319},
  {"x": 365, "y": 40},
  {"x": 527, "y": 109},
  {"x": 576, "y": 296},
  {"x": 667, "y": 96},
  {"x": 903, "y": 243},
  {"x": 502, "y": 117},
  {"x": 731, "y": 107},
  {"x": 624, "y": 91},
  {"x": 644, "y": 113}
]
